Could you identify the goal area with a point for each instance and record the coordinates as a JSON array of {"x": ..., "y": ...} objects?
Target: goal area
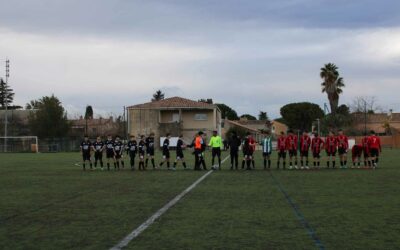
[{"x": 19, "y": 144}]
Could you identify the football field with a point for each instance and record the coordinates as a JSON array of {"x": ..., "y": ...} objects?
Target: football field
[{"x": 47, "y": 202}]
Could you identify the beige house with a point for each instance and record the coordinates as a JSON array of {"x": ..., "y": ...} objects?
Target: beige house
[
  {"x": 174, "y": 115},
  {"x": 278, "y": 127}
]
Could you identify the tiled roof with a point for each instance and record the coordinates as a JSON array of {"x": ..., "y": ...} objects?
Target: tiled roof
[
  {"x": 173, "y": 102},
  {"x": 376, "y": 118}
]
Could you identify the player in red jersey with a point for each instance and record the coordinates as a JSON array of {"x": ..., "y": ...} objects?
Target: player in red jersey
[
  {"x": 317, "y": 143},
  {"x": 305, "y": 143},
  {"x": 343, "y": 147},
  {"x": 252, "y": 144},
  {"x": 331, "y": 147},
  {"x": 364, "y": 143},
  {"x": 356, "y": 153},
  {"x": 291, "y": 147},
  {"x": 374, "y": 145},
  {"x": 281, "y": 148}
]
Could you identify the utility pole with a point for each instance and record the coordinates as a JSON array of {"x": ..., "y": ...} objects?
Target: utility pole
[
  {"x": 5, "y": 95},
  {"x": 318, "y": 124},
  {"x": 124, "y": 122}
]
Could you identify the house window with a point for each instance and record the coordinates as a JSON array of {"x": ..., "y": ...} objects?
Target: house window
[
  {"x": 175, "y": 117},
  {"x": 200, "y": 117}
]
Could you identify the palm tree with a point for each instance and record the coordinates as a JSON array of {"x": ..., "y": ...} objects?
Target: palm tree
[
  {"x": 332, "y": 85},
  {"x": 158, "y": 96}
]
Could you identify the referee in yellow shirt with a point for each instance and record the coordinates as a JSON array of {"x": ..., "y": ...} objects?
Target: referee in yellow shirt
[{"x": 216, "y": 144}]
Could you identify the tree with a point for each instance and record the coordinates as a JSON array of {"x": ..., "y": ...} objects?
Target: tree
[
  {"x": 33, "y": 104},
  {"x": 50, "y": 118},
  {"x": 158, "y": 96},
  {"x": 342, "y": 119},
  {"x": 333, "y": 84},
  {"x": 6, "y": 94},
  {"x": 248, "y": 117},
  {"x": 208, "y": 100},
  {"x": 263, "y": 116},
  {"x": 227, "y": 112},
  {"x": 89, "y": 112},
  {"x": 301, "y": 115},
  {"x": 362, "y": 104}
]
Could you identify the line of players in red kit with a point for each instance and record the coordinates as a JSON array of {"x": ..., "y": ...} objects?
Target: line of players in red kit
[{"x": 369, "y": 149}]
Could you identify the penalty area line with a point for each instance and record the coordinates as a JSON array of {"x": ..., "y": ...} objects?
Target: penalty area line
[{"x": 135, "y": 233}]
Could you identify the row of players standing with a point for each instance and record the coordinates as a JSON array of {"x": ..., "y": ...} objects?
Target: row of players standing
[
  {"x": 291, "y": 145},
  {"x": 114, "y": 150},
  {"x": 144, "y": 148}
]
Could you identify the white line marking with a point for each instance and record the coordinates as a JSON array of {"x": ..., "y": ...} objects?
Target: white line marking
[{"x": 135, "y": 233}]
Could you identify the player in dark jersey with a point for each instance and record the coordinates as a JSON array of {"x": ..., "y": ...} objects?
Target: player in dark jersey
[
  {"x": 331, "y": 148},
  {"x": 109, "y": 145},
  {"x": 98, "y": 147},
  {"x": 86, "y": 146},
  {"x": 150, "y": 150},
  {"x": 180, "y": 146},
  {"x": 165, "y": 152},
  {"x": 118, "y": 152},
  {"x": 281, "y": 148},
  {"x": 234, "y": 145},
  {"x": 141, "y": 151},
  {"x": 343, "y": 147},
  {"x": 132, "y": 148}
]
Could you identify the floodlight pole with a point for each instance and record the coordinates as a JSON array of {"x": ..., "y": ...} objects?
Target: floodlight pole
[
  {"x": 5, "y": 95},
  {"x": 318, "y": 124}
]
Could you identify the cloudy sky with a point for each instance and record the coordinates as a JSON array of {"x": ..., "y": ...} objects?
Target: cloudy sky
[{"x": 249, "y": 54}]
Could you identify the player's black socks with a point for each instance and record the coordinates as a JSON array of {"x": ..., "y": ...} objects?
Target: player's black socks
[
  {"x": 265, "y": 163},
  {"x": 95, "y": 164},
  {"x": 341, "y": 163},
  {"x": 284, "y": 165},
  {"x": 118, "y": 165},
  {"x": 184, "y": 164},
  {"x": 333, "y": 164},
  {"x": 253, "y": 163},
  {"x": 147, "y": 161},
  {"x": 306, "y": 163},
  {"x": 168, "y": 164},
  {"x": 345, "y": 163},
  {"x": 101, "y": 164},
  {"x": 301, "y": 162},
  {"x": 327, "y": 164},
  {"x": 123, "y": 164},
  {"x": 115, "y": 165},
  {"x": 376, "y": 160},
  {"x": 212, "y": 161},
  {"x": 243, "y": 162},
  {"x": 248, "y": 164},
  {"x": 277, "y": 165},
  {"x": 84, "y": 166},
  {"x": 174, "y": 164},
  {"x": 314, "y": 163},
  {"x": 318, "y": 164},
  {"x": 108, "y": 166},
  {"x": 290, "y": 163},
  {"x": 91, "y": 166},
  {"x": 269, "y": 163},
  {"x": 152, "y": 162},
  {"x": 219, "y": 163},
  {"x": 295, "y": 163},
  {"x": 161, "y": 163}
]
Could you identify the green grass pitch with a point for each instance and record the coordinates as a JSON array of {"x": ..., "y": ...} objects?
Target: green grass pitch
[{"x": 49, "y": 203}]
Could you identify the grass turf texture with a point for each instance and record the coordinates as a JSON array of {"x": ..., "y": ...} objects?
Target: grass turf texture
[{"x": 48, "y": 203}]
